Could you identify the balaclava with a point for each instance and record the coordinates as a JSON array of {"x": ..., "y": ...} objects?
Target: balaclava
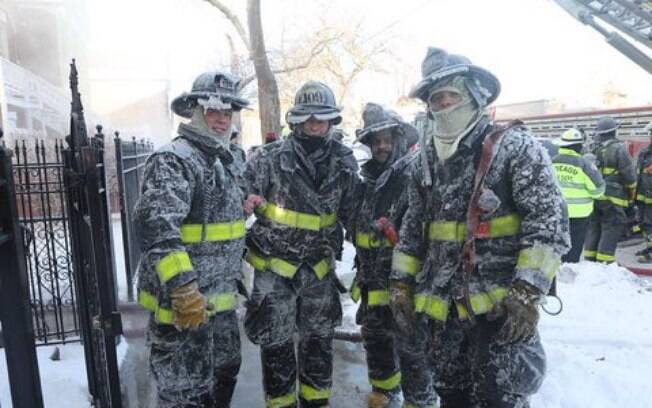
[
  {"x": 197, "y": 119},
  {"x": 450, "y": 125}
]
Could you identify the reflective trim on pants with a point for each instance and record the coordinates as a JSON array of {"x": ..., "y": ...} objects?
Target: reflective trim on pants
[
  {"x": 309, "y": 393},
  {"x": 281, "y": 402},
  {"x": 387, "y": 384}
]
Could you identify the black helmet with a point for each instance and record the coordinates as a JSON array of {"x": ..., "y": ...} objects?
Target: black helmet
[
  {"x": 314, "y": 99},
  {"x": 438, "y": 66},
  {"x": 210, "y": 84},
  {"x": 606, "y": 124},
  {"x": 375, "y": 118}
]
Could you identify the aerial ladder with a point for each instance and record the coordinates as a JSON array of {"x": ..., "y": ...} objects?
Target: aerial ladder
[{"x": 631, "y": 17}]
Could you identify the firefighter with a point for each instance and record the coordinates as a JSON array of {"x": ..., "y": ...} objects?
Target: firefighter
[
  {"x": 479, "y": 244},
  {"x": 191, "y": 219},
  {"x": 303, "y": 190},
  {"x": 581, "y": 183},
  {"x": 382, "y": 205},
  {"x": 644, "y": 197},
  {"x": 609, "y": 219}
]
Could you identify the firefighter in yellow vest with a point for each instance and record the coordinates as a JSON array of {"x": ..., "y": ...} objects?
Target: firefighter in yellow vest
[
  {"x": 581, "y": 183},
  {"x": 608, "y": 221}
]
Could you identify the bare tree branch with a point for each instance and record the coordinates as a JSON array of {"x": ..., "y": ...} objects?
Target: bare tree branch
[{"x": 233, "y": 18}]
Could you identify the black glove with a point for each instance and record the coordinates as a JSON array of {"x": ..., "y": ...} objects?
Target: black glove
[{"x": 522, "y": 313}]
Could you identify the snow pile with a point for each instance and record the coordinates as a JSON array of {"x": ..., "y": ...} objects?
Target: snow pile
[{"x": 600, "y": 348}]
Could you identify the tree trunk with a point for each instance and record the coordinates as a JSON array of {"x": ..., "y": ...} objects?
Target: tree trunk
[{"x": 268, "y": 99}]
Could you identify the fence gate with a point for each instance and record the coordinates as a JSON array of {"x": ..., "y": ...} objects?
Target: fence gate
[
  {"x": 42, "y": 212},
  {"x": 92, "y": 252},
  {"x": 130, "y": 159}
]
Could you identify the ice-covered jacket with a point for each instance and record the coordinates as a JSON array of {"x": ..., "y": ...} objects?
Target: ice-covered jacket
[
  {"x": 522, "y": 234},
  {"x": 309, "y": 198},
  {"x": 383, "y": 195},
  {"x": 191, "y": 222},
  {"x": 617, "y": 168}
]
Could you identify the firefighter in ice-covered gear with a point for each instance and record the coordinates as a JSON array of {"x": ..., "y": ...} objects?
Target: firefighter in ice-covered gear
[
  {"x": 480, "y": 242},
  {"x": 192, "y": 226},
  {"x": 382, "y": 204},
  {"x": 581, "y": 183},
  {"x": 303, "y": 190},
  {"x": 644, "y": 197},
  {"x": 609, "y": 220}
]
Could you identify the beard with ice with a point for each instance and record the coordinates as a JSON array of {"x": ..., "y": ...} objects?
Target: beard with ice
[{"x": 450, "y": 125}]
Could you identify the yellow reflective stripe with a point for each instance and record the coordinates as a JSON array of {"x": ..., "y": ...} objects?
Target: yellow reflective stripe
[
  {"x": 447, "y": 231},
  {"x": 225, "y": 231},
  {"x": 503, "y": 226},
  {"x": 433, "y": 306},
  {"x": 482, "y": 302},
  {"x": 631, "y": 185},
  {"x": 296, "y": 219},
  {"x": 281, "y": 402},
  {"x": 355, "y": 292},
  {"x": 173, "y": 264},
  {"x": 607, "y": 171},
  {"x": 309, "y": 393},
  {"x": 405, "y": 263},
  {"x": 589, "y": 254},
  {"x": 387, "y": 384},
  {"x": 285, "y": 268},
  {"x": 221, "y": 302},
  {"x": 541, "y": 257},
  {"x": 604, "y": 257},
  {"x": 370, "y": 240},
  {"x": 282, "y": 267},
  {"x": 618, "y": 201},
  {"x": 322, "y": 268},
  {"x": 378, "y": 297},
  {"x": 644, "y": 199}
]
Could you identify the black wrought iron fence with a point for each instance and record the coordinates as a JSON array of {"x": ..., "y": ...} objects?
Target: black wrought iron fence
[
  {"x": 130, "y": 159},
  {"x": 41, "y": 203}
]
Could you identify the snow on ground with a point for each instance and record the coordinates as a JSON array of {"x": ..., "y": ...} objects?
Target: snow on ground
[{"x": 63, "y": 382}]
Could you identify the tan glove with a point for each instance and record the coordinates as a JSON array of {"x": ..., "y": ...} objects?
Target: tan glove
[
  {"x": 401, "y": 302},
  {"x": 522, "y": 313},
  {"x": 631, "y": 193},
  {"x": 189, "y": 306}
]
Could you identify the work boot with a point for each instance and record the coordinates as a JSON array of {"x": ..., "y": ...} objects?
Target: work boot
[{"x": 377, "y": 399}]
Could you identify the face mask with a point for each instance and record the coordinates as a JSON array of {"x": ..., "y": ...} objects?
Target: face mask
[{"x": 454, "y": 122}]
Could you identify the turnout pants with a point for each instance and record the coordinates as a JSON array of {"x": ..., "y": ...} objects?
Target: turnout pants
[
  {"x": 196, "y": 368},
  {"x": 472, "y": 369},
  {"x": 606, "y": 226},
  {"x": 578, "y": 228},
  {"x": 278, "y": 308},
  {"x": 393, "y": 361}
]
